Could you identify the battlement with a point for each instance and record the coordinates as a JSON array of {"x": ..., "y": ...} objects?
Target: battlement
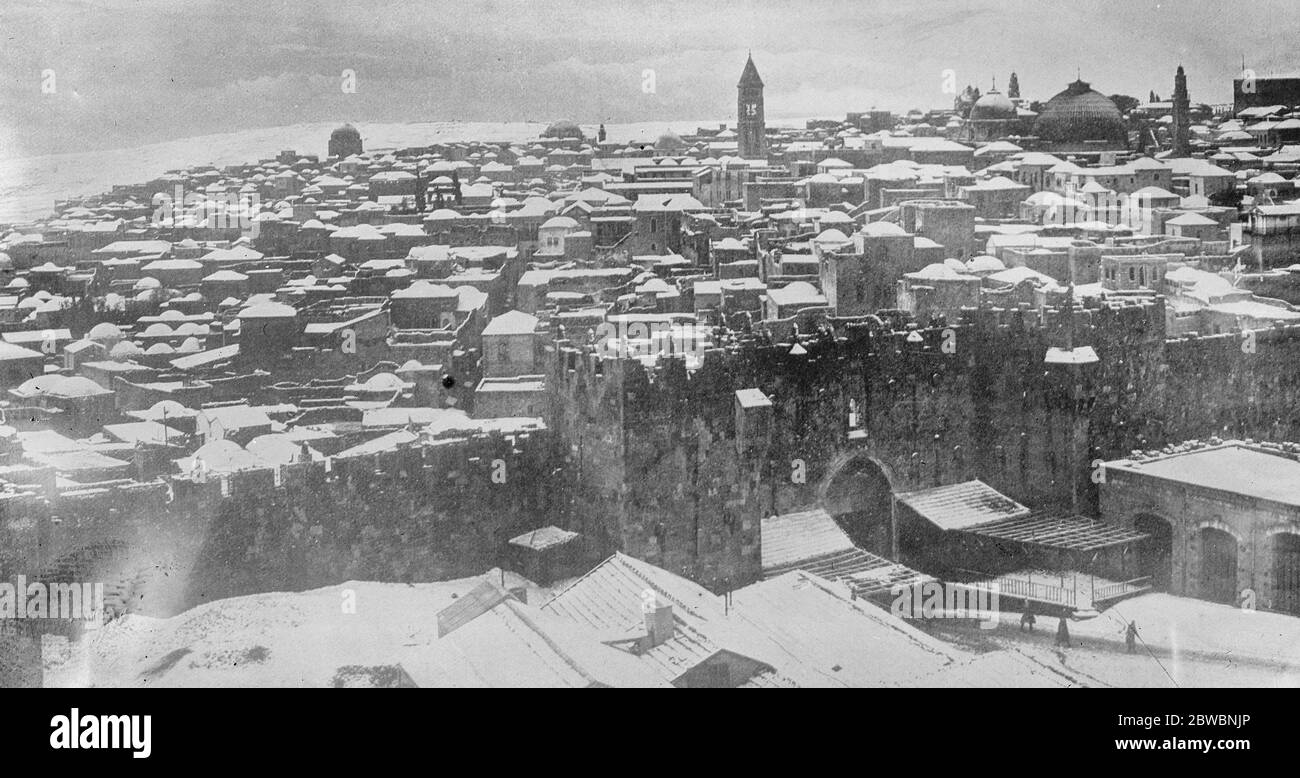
[{"x": 762, "y": 356}]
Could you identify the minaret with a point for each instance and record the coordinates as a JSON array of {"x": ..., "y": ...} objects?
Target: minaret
[
  {"x": 1182, "y": 121},
  {"x": 750, "y": 125}
]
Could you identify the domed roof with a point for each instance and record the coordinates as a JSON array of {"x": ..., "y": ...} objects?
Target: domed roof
[
  {"x": 560, "y": 222},
  {"x": 936, "y": 271},
  {"x": 164, "y": 408},
  {"x": 40, "y": 384},
  {"x": 993, "y": 106},
  {"x": 278, "y": 448},
  {"x": 125, "y": 349},
  {"x": 563, "y": 130},
  {"x": 882, "y": 229},
  {"x": 347, "y": 131},
  {"x": 831, "y": 235},
  {"x": 104, "y": 331},
  {"x": 985, "y": 263},
  {"x": 1080, "y": 114}
]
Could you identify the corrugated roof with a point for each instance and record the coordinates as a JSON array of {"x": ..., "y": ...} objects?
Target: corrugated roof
[
  {"x": 799, "y": 537},
  {"x": 962, "y": 506}
]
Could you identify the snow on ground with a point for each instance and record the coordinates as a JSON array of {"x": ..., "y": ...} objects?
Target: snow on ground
[
  {"x": 303, "y": 639},
  {"x": 273, "y": 639},
  {"x": 1185, "y": 642}
]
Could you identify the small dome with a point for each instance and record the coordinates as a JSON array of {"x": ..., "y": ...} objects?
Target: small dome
[
  {"x": 882, "y": 229},
  {"x": 168, "y": 408},
  {"x": 125, "y": 350},
  {"x": 560, "y": 222},
  {"x": 985, "y": 264},
  {"x": 40, "y": 384},
  {"x": 936, "y": 271},
  {"x": 993, "y": 106},
  {"x": 104, "y": 331},
  {"x": 831, "y": 236},
  {"x": 77, "y": 387}
]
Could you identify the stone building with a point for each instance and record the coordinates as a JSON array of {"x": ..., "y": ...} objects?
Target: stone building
[{"x": 1223, "y": 519}]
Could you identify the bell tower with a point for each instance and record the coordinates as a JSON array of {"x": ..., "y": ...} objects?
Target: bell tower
[
  {"x": 1182, "y": 121},
  {"x": 750, "y": 125}
]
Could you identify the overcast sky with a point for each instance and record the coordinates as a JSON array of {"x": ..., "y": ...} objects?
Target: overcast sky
[{"x": 131, "y": 72}]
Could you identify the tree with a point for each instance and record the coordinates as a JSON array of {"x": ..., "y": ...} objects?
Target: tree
[
  {"x": 1124, "y": 103},
  {"x": 1013, "y": 86},
  {"x": 1227, "y": 198}
]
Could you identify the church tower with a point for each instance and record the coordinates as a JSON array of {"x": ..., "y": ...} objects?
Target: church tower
[
  {"x": 750, "y": 125},
  {"x": 1182, "y": 121}
]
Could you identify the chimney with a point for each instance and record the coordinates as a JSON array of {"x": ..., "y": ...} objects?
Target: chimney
[{"x": 658, "y": 623}]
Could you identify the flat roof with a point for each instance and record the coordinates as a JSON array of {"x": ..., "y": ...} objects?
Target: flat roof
[{"x": 1232, "y": 467}]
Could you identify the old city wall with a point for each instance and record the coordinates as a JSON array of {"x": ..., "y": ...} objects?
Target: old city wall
[
  {"x": 423, "y": 513},
  {"x": 970, "y": 400}
]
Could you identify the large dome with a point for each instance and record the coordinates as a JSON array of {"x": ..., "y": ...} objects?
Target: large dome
[
  {"x": 346, "y": 132},
  {"x": 993, "y": 106},
  {"x": 1081, "y": 114},
  {"x": 563, "y": 130},
  {"x": 345, "y": 142}
]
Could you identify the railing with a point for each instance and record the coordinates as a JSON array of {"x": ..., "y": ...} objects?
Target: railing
[
  {"x": 1112, "y": 591},
  {"x": 1025, "y": 589}
]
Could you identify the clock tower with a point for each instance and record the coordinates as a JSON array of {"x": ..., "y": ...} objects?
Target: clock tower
[{"x": 749, "y": 114}]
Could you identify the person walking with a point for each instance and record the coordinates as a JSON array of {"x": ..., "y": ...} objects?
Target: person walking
[
  {"x": 1062, "y": 634},
  {"x": 1027, "y": 618},
  {"x": 1130, "y": 636}
]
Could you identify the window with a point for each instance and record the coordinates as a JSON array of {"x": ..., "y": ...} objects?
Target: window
[{"x": 1131, "y": 274}]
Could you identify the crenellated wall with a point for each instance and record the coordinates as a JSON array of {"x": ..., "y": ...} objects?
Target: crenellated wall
[{"x": 663, "y": 478}]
